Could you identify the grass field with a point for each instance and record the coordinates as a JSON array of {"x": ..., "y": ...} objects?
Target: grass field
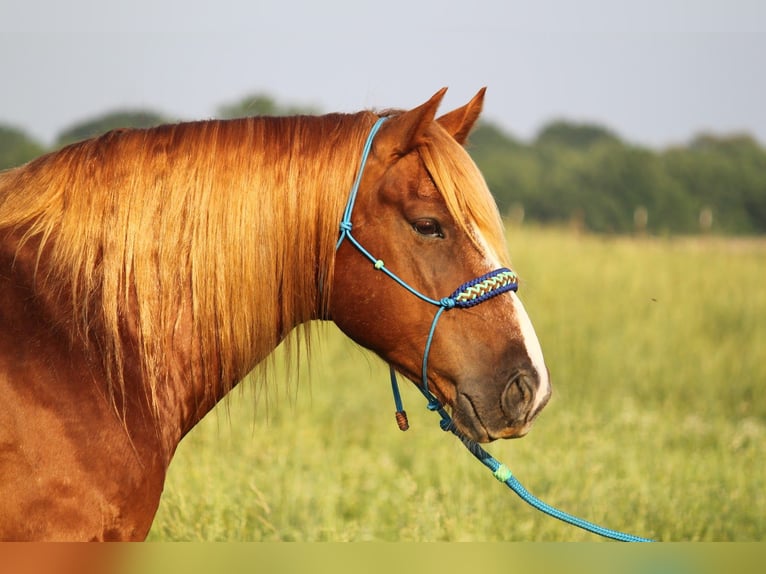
[{"x": 657, "y": 350}]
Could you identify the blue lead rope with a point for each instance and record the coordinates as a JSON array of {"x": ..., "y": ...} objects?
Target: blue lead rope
[{"x": 504, "y": 474}]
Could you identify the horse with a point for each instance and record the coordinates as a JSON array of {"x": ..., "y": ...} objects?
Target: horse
[{"x": 145, "y": 272}]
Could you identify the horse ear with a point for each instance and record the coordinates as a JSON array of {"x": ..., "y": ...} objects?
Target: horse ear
[
  {"x": 403, "y": 133},
  {"x": 460, "y": 122}
]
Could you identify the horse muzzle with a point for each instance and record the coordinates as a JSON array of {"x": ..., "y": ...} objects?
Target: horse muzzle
[{"x": 525, "y": 394}]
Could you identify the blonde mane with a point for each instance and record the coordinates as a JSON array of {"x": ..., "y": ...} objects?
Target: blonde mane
[{"x": 177, "y": 237}]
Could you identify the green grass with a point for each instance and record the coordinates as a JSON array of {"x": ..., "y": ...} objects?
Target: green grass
[{"x": 657, "y": 350}]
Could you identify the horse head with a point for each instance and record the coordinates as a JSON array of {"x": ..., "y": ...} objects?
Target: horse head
[{"x": 423, "y": 209}]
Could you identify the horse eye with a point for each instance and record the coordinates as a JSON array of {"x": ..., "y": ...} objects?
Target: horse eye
[{"x": 428, "y": 228}]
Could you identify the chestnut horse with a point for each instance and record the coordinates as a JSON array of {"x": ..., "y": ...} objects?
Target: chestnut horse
[{"x": 144, "y": 273}]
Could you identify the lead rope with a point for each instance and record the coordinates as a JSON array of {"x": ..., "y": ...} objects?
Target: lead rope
[
  {"x": 469, "y": 294},
  {"x": 502, "y": 473}
]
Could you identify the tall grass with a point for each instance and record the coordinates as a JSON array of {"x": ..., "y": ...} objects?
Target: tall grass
[{"x": 657, "y": 350}]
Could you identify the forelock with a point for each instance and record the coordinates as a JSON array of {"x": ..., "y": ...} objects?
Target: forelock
[{"x": 465, "y": 192}]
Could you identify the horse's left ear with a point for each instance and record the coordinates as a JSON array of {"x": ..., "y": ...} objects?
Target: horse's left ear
[
  {"x": 405, "y": 131},
  {"x": 460, "y": 122}
]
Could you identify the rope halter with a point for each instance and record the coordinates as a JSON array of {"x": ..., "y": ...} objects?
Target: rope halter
[{"x": 469, "y": 294}]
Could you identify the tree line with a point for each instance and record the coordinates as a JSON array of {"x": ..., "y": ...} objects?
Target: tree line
[
  {"x": 585, "y": 175},
  {"x": 577, "y": 174}
]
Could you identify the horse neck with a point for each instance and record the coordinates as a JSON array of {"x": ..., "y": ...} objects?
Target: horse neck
[
  {"x": 213, "y": 243},
  {"x": 266, "y": 260}
]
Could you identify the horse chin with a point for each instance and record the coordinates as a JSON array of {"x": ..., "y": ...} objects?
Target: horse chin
[{"x": 470, "y": 424}]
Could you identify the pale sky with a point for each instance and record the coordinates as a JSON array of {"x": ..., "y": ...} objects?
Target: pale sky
[{"x": 655, "y": 71}]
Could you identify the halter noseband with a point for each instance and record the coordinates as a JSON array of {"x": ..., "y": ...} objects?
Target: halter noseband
[{"x": 467, "y": 295}]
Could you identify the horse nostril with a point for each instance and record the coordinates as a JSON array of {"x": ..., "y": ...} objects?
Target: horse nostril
[{"x": 519, "y": 395}]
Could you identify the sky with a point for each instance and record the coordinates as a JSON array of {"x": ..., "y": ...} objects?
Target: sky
[{"x": 657, "y": 72}]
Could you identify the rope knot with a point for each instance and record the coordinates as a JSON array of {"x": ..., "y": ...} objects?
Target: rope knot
[
  {"x": 447, "y": 302},
  {"x": 502, "y": 473},
  {"x": 345, "y": 226}
]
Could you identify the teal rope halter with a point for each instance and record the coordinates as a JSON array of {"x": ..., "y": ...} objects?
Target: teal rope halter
[{"x": 468, "y": 294}]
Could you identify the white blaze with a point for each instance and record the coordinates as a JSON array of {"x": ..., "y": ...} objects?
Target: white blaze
[
  {"x": 534, "y": 350},
  {"x": 531, "y": 343}
]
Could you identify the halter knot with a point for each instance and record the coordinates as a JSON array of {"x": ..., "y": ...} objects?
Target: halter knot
[
  {"x": 503, "y": 473},
  {"x": 447, "y": 302},
  {"x": 345, "y": 226}
]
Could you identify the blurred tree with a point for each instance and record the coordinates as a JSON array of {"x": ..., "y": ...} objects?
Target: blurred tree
[
  {"x": 574, "y": 135},
  {"x": 16, "y": 147},
  {"x": 619, "y": 179},
  {"x": 261, "y": 105},
  {"x": 726, "y": 175},
  {"x": 508, "y": 166},
  {"x": 584, "y": 173},
  {"x": 487, "y": 137},
  {"x": 107, "y": 122},
  {"x": 561, "y": 195}
]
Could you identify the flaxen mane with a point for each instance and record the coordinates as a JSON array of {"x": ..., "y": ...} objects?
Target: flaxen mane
[{"x": 177, "y": 234}]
